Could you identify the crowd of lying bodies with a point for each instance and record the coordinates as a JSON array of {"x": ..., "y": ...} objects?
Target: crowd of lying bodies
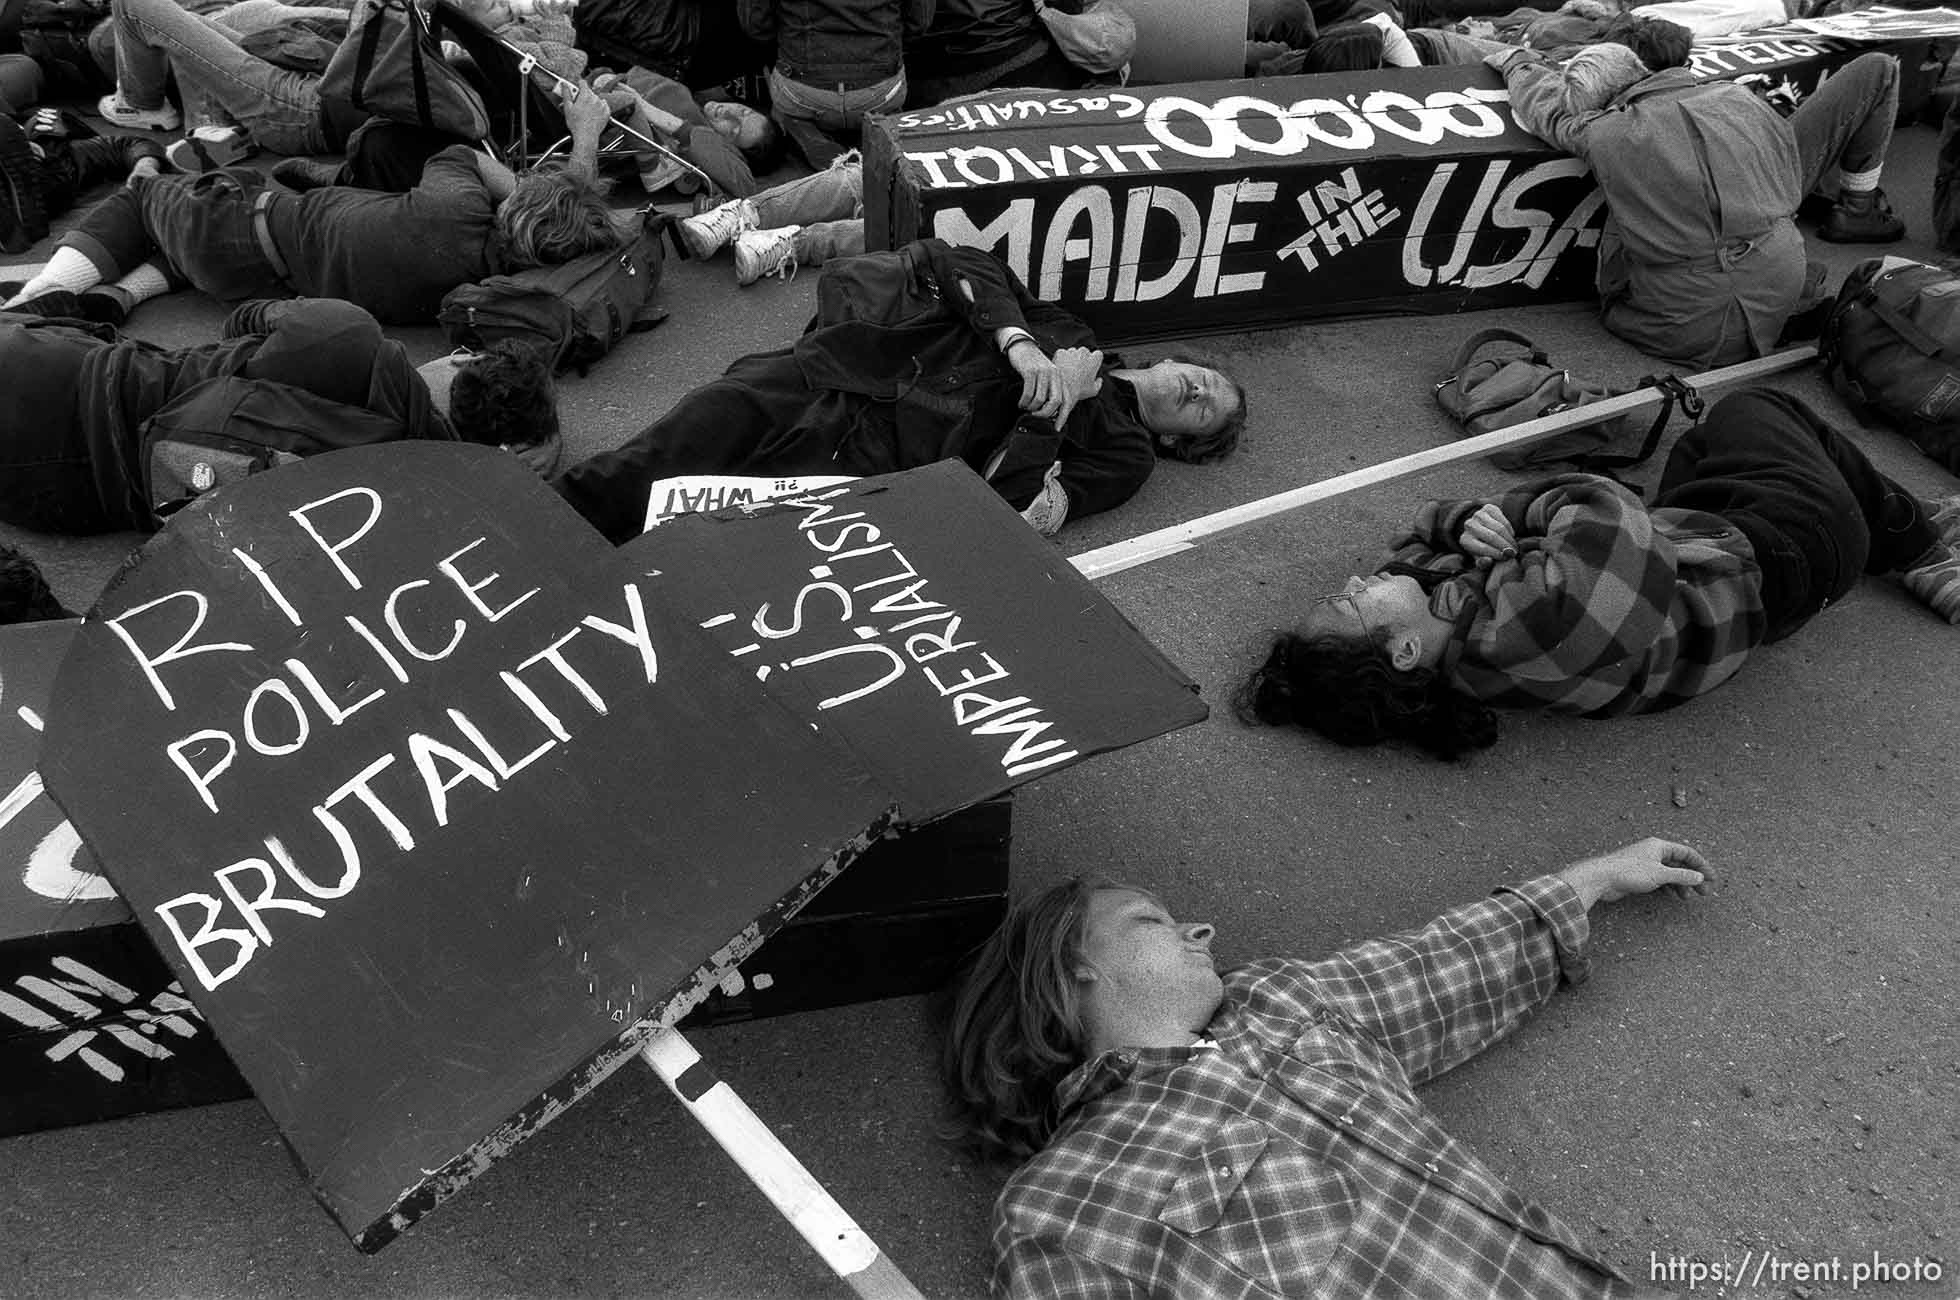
[{"x": 1092, "y": 1037}]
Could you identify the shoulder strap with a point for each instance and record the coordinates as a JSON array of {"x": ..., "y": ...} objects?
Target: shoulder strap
[
  {"x": 1902, "y": 325},
  {"x": 1673, "y": 392},
  {"x": 1495, "y": 334}
]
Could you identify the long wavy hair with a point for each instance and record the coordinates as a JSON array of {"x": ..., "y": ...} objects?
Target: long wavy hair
[
  {"x": 1013, "y": 1025},
  {"x": 1345, "y": 689},
  {"x": 552, "y": 216}
]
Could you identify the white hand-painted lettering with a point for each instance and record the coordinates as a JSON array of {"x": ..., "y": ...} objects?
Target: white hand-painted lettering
[{"x": 75, "y": 996}]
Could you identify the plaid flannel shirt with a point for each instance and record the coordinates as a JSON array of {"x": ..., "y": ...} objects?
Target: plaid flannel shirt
[
  {"x": 1607, "y": 608},
  {"x": 1288, "y": 1156}
]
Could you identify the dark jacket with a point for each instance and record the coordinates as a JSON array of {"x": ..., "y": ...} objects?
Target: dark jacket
[
  {"x": 969, "y": 33},
  {"x": 899, "y": 369},
  {"x": 921, "y": 346},
  {"x": 75, "y": 399},
  {"x": 831, "y": 43}
]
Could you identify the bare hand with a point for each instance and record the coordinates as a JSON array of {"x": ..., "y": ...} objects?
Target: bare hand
[
  {"x": 1487, "y": 535},
  {"x": 1044, "y": 388},
  {"x": 1082, "y": 370},
  {"x": 1640, "y": 869},
  {"x": 586, "y": 113}
]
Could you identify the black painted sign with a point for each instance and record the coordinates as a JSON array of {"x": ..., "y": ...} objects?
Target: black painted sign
[
  {"x": 427, "y": 802},
  {"x": 438, "y": 805},
  {"x": 1169, "y": 210},
  {"x": 952, "y": 673},
  {"x": 92, "y": 1025}
]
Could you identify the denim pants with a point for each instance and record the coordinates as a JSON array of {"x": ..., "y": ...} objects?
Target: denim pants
[
  {"x": 1847, "y": 123},
  {"x": 279, "y": 107},
  {"x": 823, "y": 121},
  {"x": 828, "y": 205},
  {"x": 200, "y": 226},
  {"x": 1817, "y": 512}
]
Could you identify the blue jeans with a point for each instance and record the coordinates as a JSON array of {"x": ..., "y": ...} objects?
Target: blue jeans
[
  {"x": 829, "y": 205},
  {"x": 200, "y": 226},
  {"x": 823, "y": 121},
  {"x": 279, "y": 107}
]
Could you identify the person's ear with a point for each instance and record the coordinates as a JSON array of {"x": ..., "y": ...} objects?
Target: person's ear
[
  {"x": 1405, "y": 652},
  {"x": 1085, "y": 973}
]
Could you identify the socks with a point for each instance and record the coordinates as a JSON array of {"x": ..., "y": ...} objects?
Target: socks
[
  {"x": 147, "y": 281},
  {"x": 69, "y": 268},
  {"x": 1856, "y": 189}
]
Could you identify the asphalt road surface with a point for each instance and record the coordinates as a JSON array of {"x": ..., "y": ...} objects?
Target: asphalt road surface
[{"x": 1773, "y": 1071}]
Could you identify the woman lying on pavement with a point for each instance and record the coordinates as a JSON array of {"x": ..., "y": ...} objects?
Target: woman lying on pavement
[
  {"x": 917, "y": 355},
  {"x": 1568, "y": 594}
]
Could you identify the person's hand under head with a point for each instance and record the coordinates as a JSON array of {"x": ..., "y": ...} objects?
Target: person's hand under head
[
  {"x": 1487, "y": 535},
  {"x": 1640, "y": 868}
]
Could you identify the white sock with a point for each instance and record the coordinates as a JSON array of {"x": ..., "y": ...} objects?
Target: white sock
[
  {"x": 1859, "y": 182},
  {"x": 144, "y": 283},
  {"x": 69, "y": 268}
]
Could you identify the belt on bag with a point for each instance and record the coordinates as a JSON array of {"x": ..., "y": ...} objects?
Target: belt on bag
[{"x": 262, "y": 228}]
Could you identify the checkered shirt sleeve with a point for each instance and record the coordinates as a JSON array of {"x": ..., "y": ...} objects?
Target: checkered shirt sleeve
[
  {"x": 1437, "y": 996},
  {"x": 1600, "y": 612}
]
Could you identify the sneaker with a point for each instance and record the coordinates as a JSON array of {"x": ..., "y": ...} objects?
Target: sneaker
[
  {"x": 207, "y": 148},
  {"x": 1874, "y": 223},
  {"x": 709, "y": 232},
  {"x": 765, "y": 252},
  {"x": 1937, "y": 583},
  {"x": 164, "y": 118},
  {"x": 23, "y": 214}
]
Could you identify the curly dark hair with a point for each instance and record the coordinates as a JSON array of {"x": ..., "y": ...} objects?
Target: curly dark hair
[
  {"x": 1346, "y": 690},
  {"x": 1012, "y": 1024},
  {"x": 25, "y": 596},
  {"x": 1659, "y": 43},
  {"x": 505, "y": 396}
]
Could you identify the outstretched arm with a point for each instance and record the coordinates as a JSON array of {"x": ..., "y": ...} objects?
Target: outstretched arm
[{"x": 1437, "y": 996}]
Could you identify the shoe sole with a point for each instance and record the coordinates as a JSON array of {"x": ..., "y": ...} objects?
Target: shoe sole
[
  {"x": 193, "y": 155},
  {"x": 23, "y": 218}
]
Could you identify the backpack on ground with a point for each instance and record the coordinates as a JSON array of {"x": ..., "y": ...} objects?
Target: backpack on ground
[
  {"x": 1892, "y": 344},
  {"x": 229, "y": 428},
  {"x": 1516, "y": 383},
  {"x": 54, "y": 33},
  {"x": 577, "y": 312}
]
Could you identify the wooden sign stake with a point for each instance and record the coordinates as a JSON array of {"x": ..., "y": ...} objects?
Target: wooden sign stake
[
  {"x": 797, "y": 1195},
  {"x": 1116, "y": 557}
]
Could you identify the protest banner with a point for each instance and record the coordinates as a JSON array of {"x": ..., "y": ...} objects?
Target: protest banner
[
  {"x": 428, "y": 806},
  {"x": 92, "y": 1024},
  {"x": 865, "y": 607},
  {"x": 440, "y": 807},
  {"x": 1223, "y": 205}
]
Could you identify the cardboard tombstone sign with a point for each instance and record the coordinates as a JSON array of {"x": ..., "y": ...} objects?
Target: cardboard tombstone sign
[
  {"x": 439, "y": 805},
  {"x": 945, "y": 642},
  {"x": 429, "y": 801}
]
